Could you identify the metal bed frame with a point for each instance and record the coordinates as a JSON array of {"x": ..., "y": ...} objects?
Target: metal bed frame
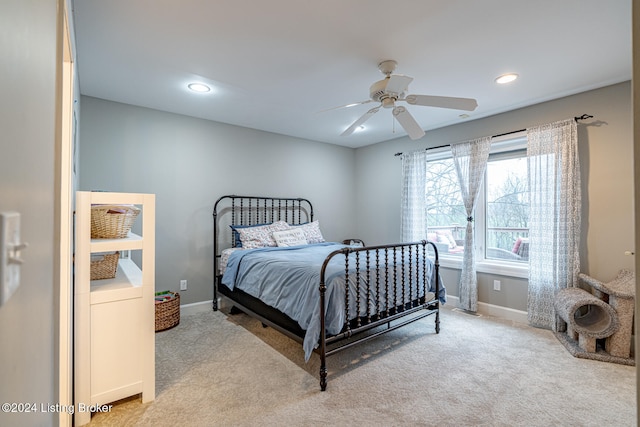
[{"x": 253, "y": 210}]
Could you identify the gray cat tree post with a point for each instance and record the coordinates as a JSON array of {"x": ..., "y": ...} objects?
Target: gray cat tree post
[{"x": 605, "y": 313}]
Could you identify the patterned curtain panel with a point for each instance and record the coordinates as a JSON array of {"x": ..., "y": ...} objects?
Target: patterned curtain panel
[
  {"x": 554, "y": 223},
  {"x": 470, "y": 159},
  {"x": 413, "y": 221}
]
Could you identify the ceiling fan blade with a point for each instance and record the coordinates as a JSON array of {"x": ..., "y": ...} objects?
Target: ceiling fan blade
[
  {"x": 408, "y": 123},
  {"x": 468, "y": 104},
  {"x": 360, "y": 121},
  {"x": 353, "y": 104},
  {"x": 398, "y": 83}
]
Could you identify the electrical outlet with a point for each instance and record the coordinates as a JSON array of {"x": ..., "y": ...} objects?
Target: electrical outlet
[
  {"x": 496, "y": 285},
  {"x": 183, "y": 285}
]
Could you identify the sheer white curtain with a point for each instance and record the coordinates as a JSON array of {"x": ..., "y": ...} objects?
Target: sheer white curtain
[
  {"x": 470, "y": 159},
  {"x": 554, "y": 223},
  {"x": 413, "y": 221}
]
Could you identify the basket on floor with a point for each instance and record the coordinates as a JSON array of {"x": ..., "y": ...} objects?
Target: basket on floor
[
  {"x": 168, "y": 311},
  {"x": 104, "y": 266},
  {"x": 112, "y": 221}
]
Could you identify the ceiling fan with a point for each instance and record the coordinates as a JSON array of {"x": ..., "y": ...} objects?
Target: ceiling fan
[{"x": 392, "y": 89}]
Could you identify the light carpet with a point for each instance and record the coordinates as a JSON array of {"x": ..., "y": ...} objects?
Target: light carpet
[{"x": 227, "y": 370}]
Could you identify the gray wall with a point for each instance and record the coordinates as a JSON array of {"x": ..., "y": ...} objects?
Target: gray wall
[
  {"x": 27, "y": 120},
  {"x": 606, "y": 157},
  {"x": 189, "y": 163}
]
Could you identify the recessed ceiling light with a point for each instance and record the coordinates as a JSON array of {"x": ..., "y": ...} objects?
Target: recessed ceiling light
[
  {"x": 506, "y": 78},
  {"x": 199, "y": 87}
]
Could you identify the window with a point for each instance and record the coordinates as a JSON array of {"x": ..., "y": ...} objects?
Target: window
[
  {"x": 446, "y": 215},
  {"x": 501, "y": 217},
  {"x": 507, "y": 207}
]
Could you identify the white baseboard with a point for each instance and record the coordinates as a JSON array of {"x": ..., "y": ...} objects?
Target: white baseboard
[
  {"x": 196, "y": 307},
  {"x": 493, "y": 310},
  {"x": 202, "y": 306}
]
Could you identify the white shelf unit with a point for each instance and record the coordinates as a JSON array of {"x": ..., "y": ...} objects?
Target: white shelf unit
[{"x": 114, "y": 319}]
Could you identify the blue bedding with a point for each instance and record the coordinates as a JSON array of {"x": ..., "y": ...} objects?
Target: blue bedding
[{"x": 288, "y": 279}]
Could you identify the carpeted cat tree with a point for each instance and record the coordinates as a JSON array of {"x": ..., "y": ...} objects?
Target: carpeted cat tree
[{"x": 597, "y": 323}]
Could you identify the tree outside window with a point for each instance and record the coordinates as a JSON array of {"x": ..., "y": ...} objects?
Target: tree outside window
[{"x": 504, "y": 205}]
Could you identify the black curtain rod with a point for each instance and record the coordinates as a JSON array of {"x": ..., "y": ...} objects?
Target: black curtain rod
[{"x": 577, "y": 118}]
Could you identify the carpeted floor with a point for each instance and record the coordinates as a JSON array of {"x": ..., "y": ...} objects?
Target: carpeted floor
[{"x": 214, "y": 369}]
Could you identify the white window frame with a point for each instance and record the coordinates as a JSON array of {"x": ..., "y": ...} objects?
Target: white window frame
[{"x": 502, "y": 144}]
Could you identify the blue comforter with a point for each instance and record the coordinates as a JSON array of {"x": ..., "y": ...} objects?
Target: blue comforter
[{"x": 288, "y": 279}]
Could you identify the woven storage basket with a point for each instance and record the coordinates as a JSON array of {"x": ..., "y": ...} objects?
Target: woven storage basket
[
  {"x": 105, "y": 267},
  {"x": 168, "y": 313},
  {"x": 112, "y": 221}
]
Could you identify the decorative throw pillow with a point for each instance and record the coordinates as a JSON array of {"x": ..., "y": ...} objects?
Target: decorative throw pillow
[
  {"x": 292, "y": 237},
  {"x": 516, "y": 245},
  {"x": 445, "y": 236},
  {"x": 261, "y": 236},
  {"x": 311, "y": 231},
  {"x": 236, "y": 235}
]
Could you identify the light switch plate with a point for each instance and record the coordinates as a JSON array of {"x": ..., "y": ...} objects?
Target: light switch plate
[{"x": 10, "y": 261}]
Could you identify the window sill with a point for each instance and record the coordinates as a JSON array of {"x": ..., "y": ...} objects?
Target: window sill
[{"x": 510, "y": 269}]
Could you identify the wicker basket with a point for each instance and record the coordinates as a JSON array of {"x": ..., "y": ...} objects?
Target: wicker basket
[
  {"x": 104, "y": 266},
  {"x": 168, "y": 312},
  {"x": 112, "y": 221}
]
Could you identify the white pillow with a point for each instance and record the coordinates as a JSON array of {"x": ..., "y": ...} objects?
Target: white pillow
[
  {"x": 261, "y": 236},
  {"x": 311, "y": 231},
  {"x": 293, "y": 237}
]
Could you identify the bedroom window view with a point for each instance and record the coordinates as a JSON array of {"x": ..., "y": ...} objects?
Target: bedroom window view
[
  {"x": 507, "y": 209},
  {"x": 502, "y": 212},
  {"x": 446, "y": 217}
]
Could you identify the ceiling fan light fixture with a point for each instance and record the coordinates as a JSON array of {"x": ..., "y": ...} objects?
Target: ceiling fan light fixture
[
  {"x": 388, "y": 102},
  {"x": 506, "y": 78},
  {"x": 199, "y": 87},
  {"x": 391, "y": 90}
]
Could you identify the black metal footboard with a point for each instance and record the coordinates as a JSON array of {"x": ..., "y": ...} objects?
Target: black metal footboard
[{"x": 386, "y": 286}]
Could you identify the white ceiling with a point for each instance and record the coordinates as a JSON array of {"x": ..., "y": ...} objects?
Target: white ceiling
[{"x": 274, "y": 65}]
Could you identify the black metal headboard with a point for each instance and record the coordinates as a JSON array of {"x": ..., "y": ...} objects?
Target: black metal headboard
[{"x": 252, "y": 210}]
